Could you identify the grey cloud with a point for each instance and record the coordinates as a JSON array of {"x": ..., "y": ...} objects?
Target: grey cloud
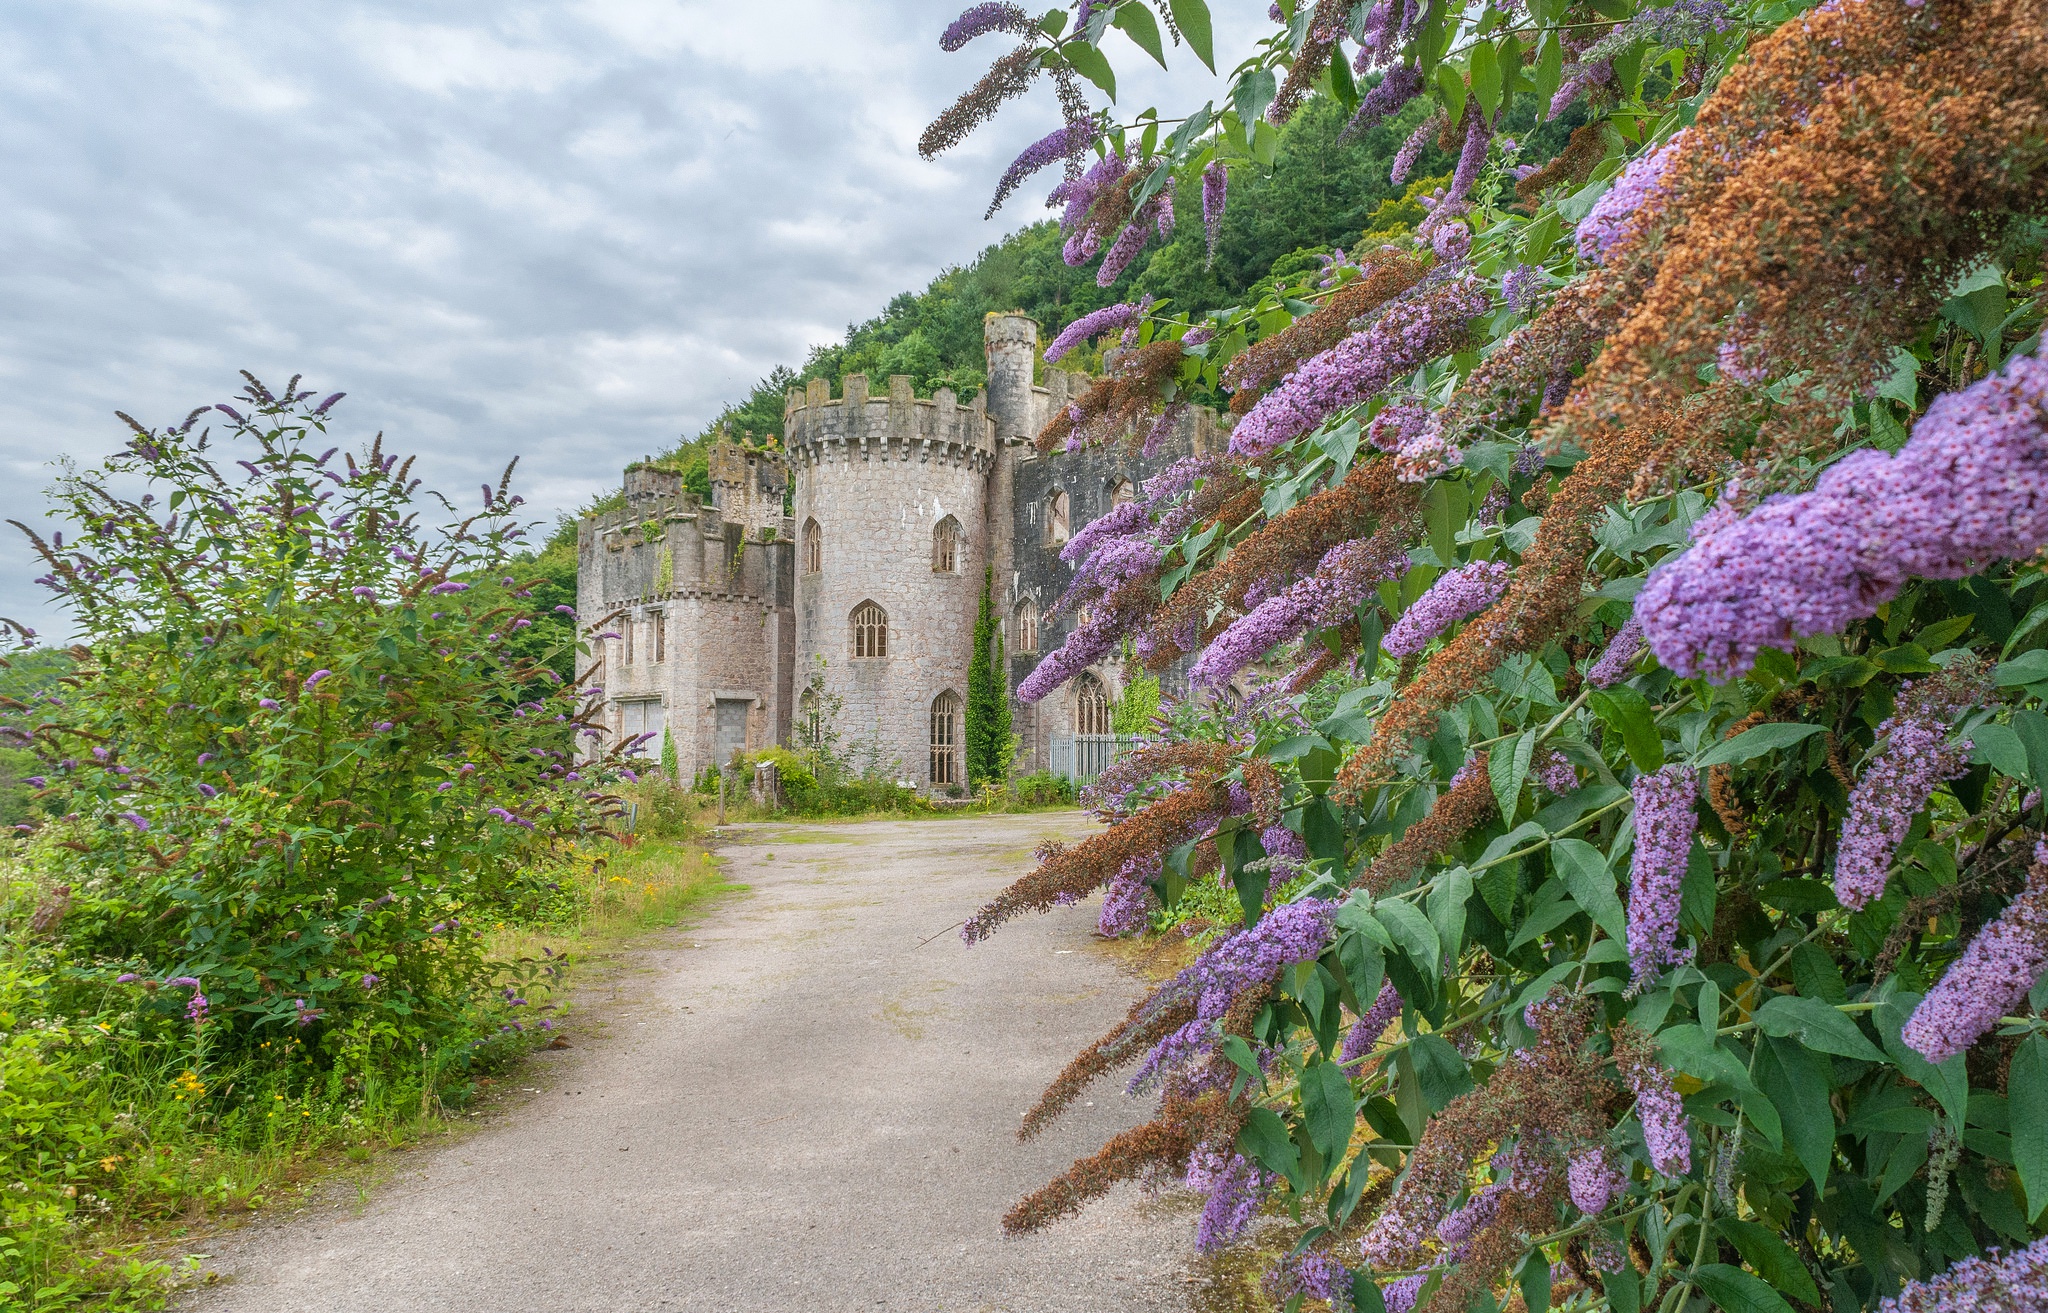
[{"x": 568, "y": 231}]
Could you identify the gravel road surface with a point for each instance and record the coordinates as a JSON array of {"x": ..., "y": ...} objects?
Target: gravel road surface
[{"x": 794, "y": 1106}]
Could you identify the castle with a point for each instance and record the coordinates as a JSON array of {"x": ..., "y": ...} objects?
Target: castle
[{"x": 727, "y": 626}]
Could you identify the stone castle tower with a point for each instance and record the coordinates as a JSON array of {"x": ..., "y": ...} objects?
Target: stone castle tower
[{"x": 724, "y": 624}]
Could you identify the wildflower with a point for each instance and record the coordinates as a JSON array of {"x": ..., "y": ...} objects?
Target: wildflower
[
  {"x": 1520, "y": 286},
  {"x": 1008, "y": 78},
  {"x": 126, "y": 977},
  {"x": 1236, "y": 1186},
  {"x": 1215, "y": 195},
  {"x": 1557, "y": 774},
  {"x": 1367, "y": 1031},
  {"x": 1970, "y": 486},
  {"x": 1613, "y": 663},
  {"x": 382, "y": 726},
  {"x": 37, "y": 781},
  {"x": 1091, "y": 324},
  {"x": 1988, "y": 1284},
  {"x": 1127, "y": 904},
  {"x": 369, "y": 981},
  {"x": 1912, "y": 757},
  {"x": 135, "y": 819},
  {"x": 1658, "y": 1106},
  {"x": 1594, "y": 1180},
  {"x": 1991, "y": 978},
  {"x": 981, "y": 19},
  {"x": 365, "y": 592},
  {"x": 321, "y": 409},
  {"x": 569, "y": 611},
  {"x": 1462, "y": 592},
  {"x": 207, "y": 789},
  {"x": 317, "y": 676},
  {"x": 195, "y": 1011},
  {"x": 1425, "y": 323},
  {"x": 1616, "y": 215},
  {"x": 1665, "y": 820},
  {"x": 1065, "y": 143},
  {"x": 267, "y": 703},
  {"x": 1401, "y": 84}
]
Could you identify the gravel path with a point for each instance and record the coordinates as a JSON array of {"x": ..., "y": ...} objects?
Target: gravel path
[{"x": 796, "y": 1107}]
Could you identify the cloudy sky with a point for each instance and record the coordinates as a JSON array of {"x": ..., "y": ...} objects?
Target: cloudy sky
[{"x": 567, "y": 230}]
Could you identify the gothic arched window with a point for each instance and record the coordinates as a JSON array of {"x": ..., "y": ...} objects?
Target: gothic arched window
[
  {"x": 1091, "y": 706},
  {"x": 1122, "y": 492},
  {"x": 1056, "y": 520},
  {"x": 946, "y": 546},
  {"x": 814, "y": 547},
  {"x": 870, "y": 631},
  {"x": 1024, "y": 633},
  {"x": 810, "y": 720},
  {"x": 945, "y": 766}
]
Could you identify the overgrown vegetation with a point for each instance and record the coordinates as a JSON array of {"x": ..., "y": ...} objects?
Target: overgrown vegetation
[
  {"x": 1635, "y": 818},
  {"x": 306, "y": 784}
]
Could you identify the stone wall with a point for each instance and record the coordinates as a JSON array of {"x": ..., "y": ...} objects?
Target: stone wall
[{"x": 877, "y": 477}]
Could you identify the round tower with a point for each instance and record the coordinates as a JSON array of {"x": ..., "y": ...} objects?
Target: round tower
[{"x": 892, "y": 531}]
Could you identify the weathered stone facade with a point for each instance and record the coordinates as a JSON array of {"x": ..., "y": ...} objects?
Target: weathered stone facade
[{"x": 874, "y": 581}]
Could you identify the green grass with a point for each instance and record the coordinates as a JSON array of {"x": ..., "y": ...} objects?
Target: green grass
[{"x": 142, "y": 1139}]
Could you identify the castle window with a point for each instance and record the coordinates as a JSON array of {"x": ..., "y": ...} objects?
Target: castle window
[
  {"x": 1024, "y": 633},
  {"x": 629, "y": 626},
  {"x": 946, "y": 738},
  {"x": 814, "y": 547},
  {"x": 946, "y": 546},
  {"x": 1091, "y": 706},
  {"x": 659, "y": 620},
  {"x": 1123, "y": 492},
  {"x": 870, "y": 631},
  {"x": 1056, "y": 533}
]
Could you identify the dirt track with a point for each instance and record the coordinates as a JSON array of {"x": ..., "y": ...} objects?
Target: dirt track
[{"x": 797, "y": 1107}]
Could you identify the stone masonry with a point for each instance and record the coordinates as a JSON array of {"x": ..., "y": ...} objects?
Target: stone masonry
[{"x": 734, "y": 610}]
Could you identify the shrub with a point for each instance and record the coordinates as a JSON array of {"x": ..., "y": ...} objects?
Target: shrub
[{"x": 1042, "y": 788}]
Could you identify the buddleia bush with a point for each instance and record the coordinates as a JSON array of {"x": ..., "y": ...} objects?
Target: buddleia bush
[
  {"x": 298, "y": 772},
  {"x": 1621, "y": 613}
]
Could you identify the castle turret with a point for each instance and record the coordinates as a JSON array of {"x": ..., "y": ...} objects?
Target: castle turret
[{"x": 892, "y": 534}]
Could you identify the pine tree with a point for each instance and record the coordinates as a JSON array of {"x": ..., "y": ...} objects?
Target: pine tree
[{"x": 988, "y": 697}]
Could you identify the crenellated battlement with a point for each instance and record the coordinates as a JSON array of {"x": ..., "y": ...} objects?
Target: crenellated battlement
[{"x": 819, "y": 429}]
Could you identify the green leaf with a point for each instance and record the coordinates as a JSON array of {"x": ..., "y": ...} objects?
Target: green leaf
[
  {"x": 1137, "y": 23},
  {"x": 1507, "y": 766},
  {"x": 1327, "y": 1108},
  {"x": 2032, "y": 729},
  {"x": 1090, "y": 64},
  {"x": 1816, "y": 1025},
  {"x": 2000, "y": 748},
  {"x": 2027, "y": 1107},
  {"x": 1624, "y": 1292},
  {"x": 1948, "y": 1082},
  {"x": 1447, "y": 909},
  {"x": 1738, "y": 1291},
  {"x": 1486, "y": 80},
  {"x": 1585, "y": 872},
  {"x": 1549, "y": 71},
  {"x": 1365, "y": 1294},
  {"x": 1412, "y": 931},
  {"x": 1773, "y": 1259},
  {"x": 1755, "y": 743},
  {"x": 1364, "y": 963},
  {"x": 2026, "y": 668},
  {"x": 1266, "y": 1142},
  {"x": 1441, "y": 1071},
  {"x": 1253, "y": 92},
  {"x": 1192, "y": 18},
  {"x": 1450, "y": 90},
  {"x": 1628, "y": 714}
]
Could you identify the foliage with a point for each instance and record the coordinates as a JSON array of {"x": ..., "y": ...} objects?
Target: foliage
[
  {"x": 1134, "y": 711},
  {"x": 1580, "y": 1001},
  {"x": 1042, "y": 788},
  {"x": 991, "y": 748}
]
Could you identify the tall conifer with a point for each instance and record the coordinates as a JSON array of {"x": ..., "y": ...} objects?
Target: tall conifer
[{"x": 988, "y": 696}]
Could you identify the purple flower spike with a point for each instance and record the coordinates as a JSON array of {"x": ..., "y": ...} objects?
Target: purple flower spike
[
  {"x": 1615, "y": 662},
  {"x": 1969, "y": 487},
  {"x": 126, "y": 978},
  {"x": 450, "y": 587},
  {"x": 1616, "y": 214},
  {"x": 267, "y": 703},
  {"x": 1989, "y": 1284},
  {"x": 1665, "y": 820},
  {"x": 38, "y": 781},
  {"x": 208, "y": 790},
  {"x": 569, "y": 611},
  {"x": 1065, "y": 143},
  {"x": 1367, "y": 1031},
  {"x": 1215, "y": 196},
  {"x": 135, "y": 819},
  {"x": 365, "y": 592},
  {"x": 981, "y": 19},
  {"x": 317, "y": 676},
  {"x": 1089, "y": 325},
  {"x": 1594, "y": 1180},
  {"x": 1990, "y": 980},
  {"x": 1913, "y": 756},
  {"x": 1464, "y": 592},
  {"x": 321, "y": 409}
]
